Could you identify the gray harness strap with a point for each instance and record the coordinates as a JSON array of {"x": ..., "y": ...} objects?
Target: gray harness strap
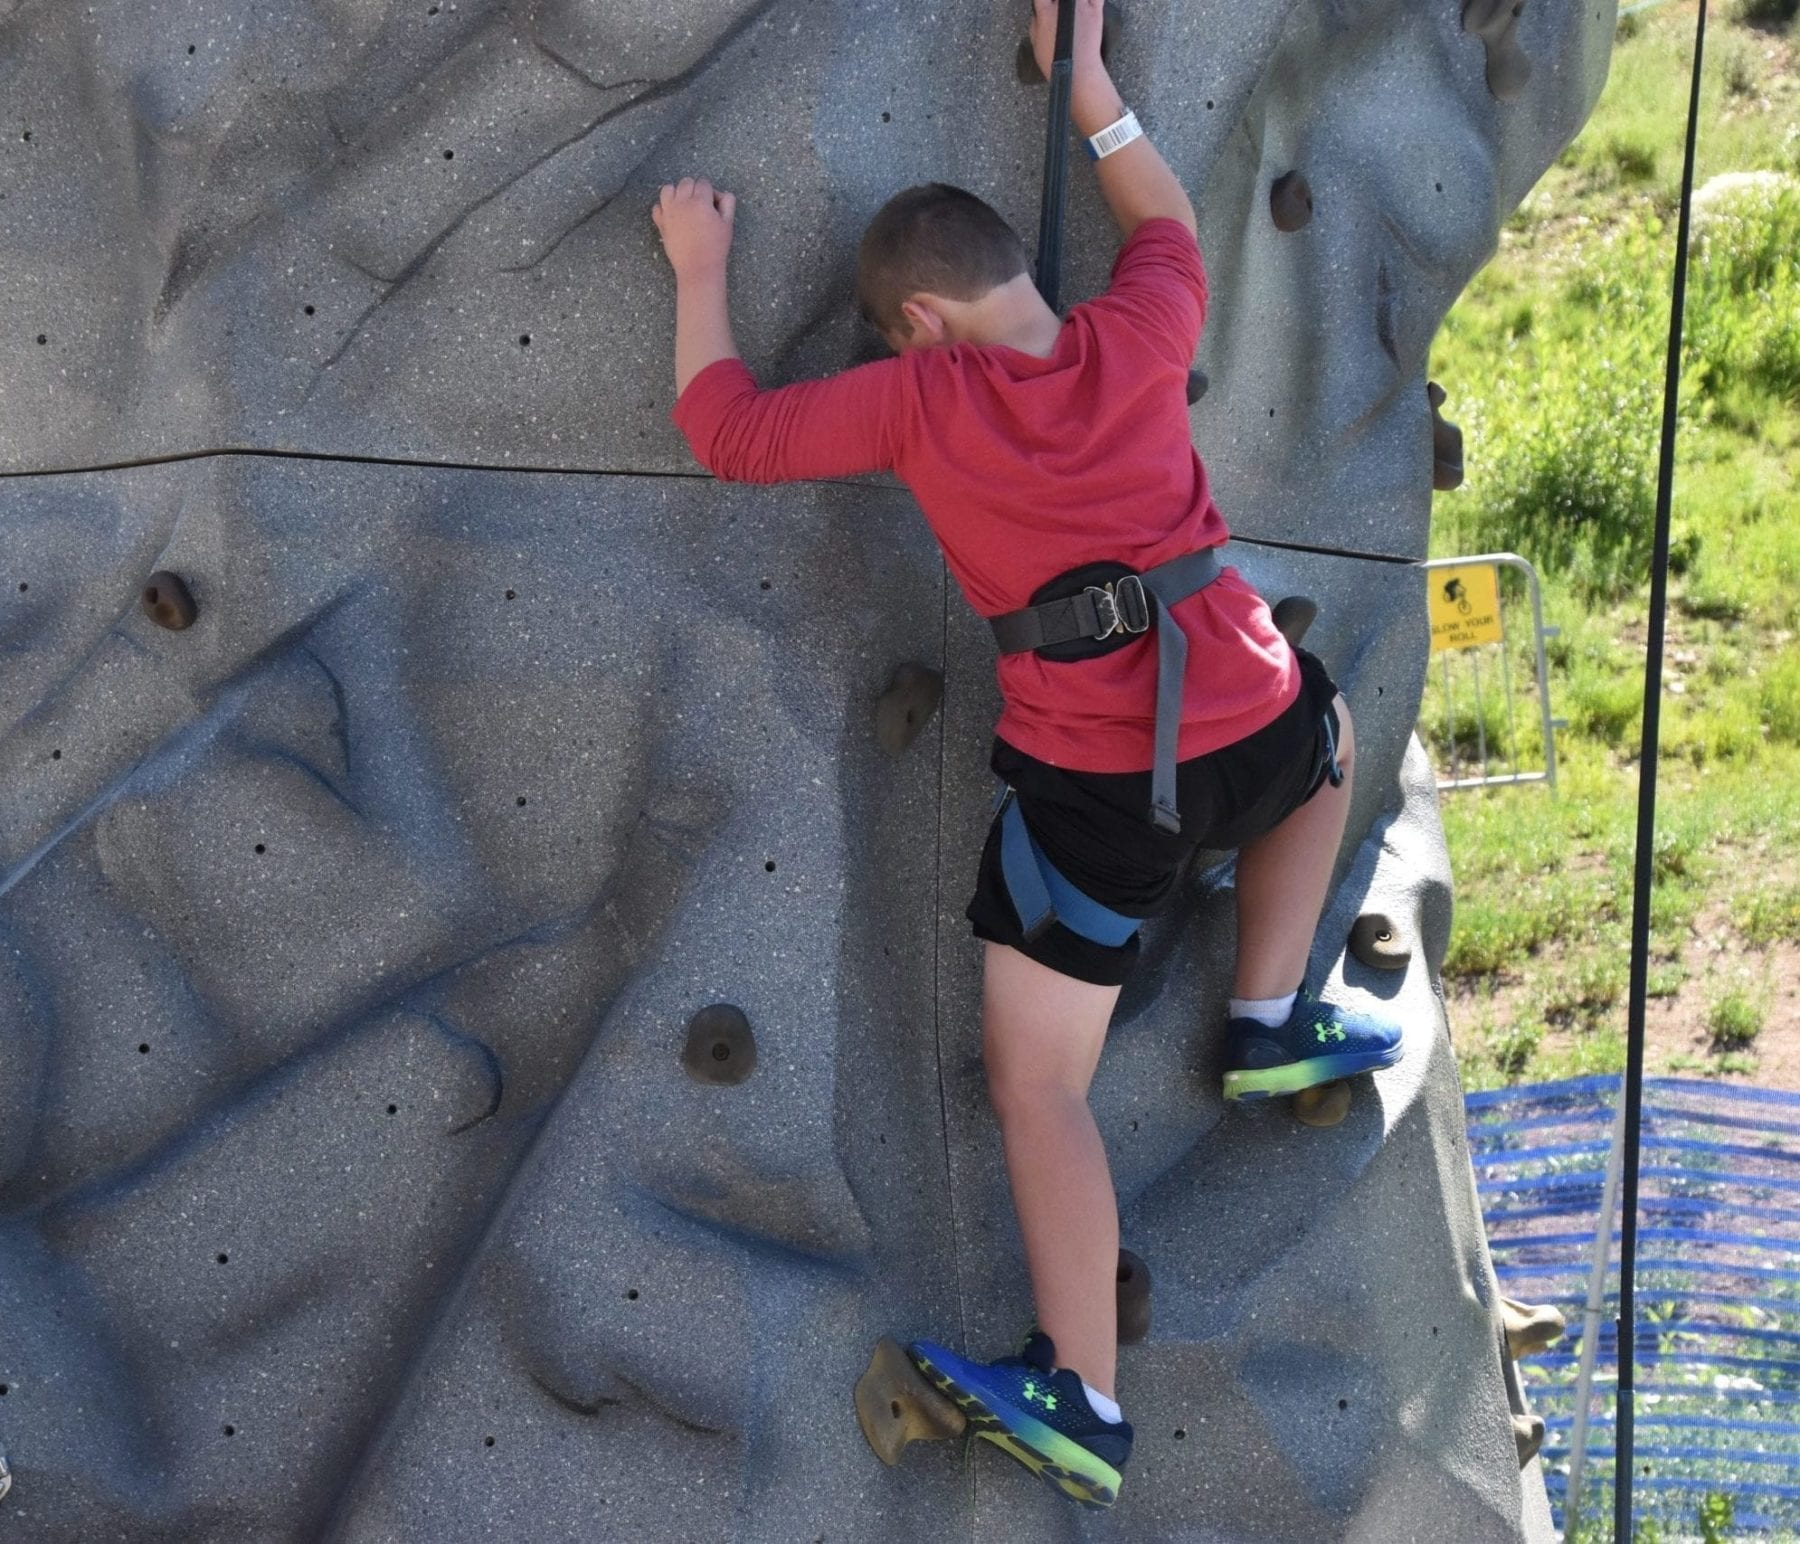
[{"x": 1130, "y": 605}]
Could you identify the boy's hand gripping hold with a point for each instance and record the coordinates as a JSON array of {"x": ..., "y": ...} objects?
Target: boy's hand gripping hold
[{"x": 696, "y": 220}]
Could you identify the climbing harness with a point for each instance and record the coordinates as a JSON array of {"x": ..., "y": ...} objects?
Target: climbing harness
[
  {"x": 1042, "y": 896},
  {"x": 1633, "y": 1092},
  {"x": 1122, "y": 609}
]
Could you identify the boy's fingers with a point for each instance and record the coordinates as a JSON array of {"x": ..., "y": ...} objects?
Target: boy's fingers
[
  {"x": 685, "y": 188},
  {"x": 728, "y": 206}
]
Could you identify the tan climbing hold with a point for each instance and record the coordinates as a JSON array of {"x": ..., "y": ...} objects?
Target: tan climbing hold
[
  {"x": 895, "y": 1405},
  {"x": 912, "y": 696},
  {"x": 1324, "y": 1105},
  {"x": 1495, "y": 22},
  {"x": 1376, "y": 942},
  {"x": 1446, "y": 444},
  {"x": 1528, "y": 1435},
  {"x": 1529, "y": 1328},
  {"x": 1291, "y": 202},
  {"x": 166, "y": 601},
  {"x": 1134, "y": 1299},
  {"x": 1293, "y": 615}
]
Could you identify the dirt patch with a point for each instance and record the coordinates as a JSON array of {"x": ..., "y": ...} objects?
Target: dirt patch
[{"x": 1715, "y": 959}]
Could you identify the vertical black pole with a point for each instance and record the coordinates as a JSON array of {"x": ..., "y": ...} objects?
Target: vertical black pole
[
  {"x": 1633, "y": 1091},
  {"x": 1056, "y": 158}
]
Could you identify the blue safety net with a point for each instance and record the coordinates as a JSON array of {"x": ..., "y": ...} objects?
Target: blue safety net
[{"x": 1718, "y": 1292}]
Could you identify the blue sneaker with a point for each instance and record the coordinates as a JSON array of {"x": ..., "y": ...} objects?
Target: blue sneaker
[
  {"x": 1037, "y": 1412},
  {"x": 1317, "y": 1044}
]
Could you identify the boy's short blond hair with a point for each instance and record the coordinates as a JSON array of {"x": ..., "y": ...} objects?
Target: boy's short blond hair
[{"x": 933, "y": 239}]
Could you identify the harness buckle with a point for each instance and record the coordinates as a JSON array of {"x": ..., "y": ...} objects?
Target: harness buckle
[{"x": 1120, "y": 606}]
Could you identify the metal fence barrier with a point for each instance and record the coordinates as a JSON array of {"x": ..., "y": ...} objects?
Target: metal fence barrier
[
  {"x": 1470, "y": 627},
  {"x": 1718, "y": 1293}
]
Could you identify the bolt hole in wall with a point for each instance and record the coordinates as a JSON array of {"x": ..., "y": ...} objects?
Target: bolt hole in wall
[
  {"x": 143, "y": 1048},
  {"x": 393, "y": 1109},
  {"x": 223, "y": 1258},
  {"x": 309, "y": 310},
  {"x": 487, "y": 1442},
  {"x": 190, "y": 48},
  {"x": 769, "y": 867},
  {"x": 524, "y": 340},
  {"x": 43, "y": 338},
  {"x": 231, "y": 1431}
]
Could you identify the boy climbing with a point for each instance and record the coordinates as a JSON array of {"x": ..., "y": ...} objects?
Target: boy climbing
[{"x": 1151, "y": 708}]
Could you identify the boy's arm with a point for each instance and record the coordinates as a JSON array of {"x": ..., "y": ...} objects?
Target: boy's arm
[
  {"x": 695, "y": 223},
  {"x": 829, "y": 428},
  {"x": 1136, "y": 181}
]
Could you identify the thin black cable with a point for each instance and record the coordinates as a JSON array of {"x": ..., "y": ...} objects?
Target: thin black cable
[
  {"x": 1056, "y": 157},
  {"x": 1633, "y": 1092}
]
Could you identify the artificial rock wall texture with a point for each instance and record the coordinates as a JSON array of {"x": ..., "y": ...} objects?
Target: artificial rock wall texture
[{"x": 351, "y": 1183}]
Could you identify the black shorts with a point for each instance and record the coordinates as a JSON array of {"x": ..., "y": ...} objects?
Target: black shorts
[{"x": 1095, "y": 826}]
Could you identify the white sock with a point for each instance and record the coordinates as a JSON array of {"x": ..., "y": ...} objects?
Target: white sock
[
  {"x": 1269, "y": 1011},
  {"x": 1106, "y": 1409}
]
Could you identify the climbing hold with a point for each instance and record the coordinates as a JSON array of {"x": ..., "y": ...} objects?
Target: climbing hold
[
  {"x": 1196, "y": 386},
  {"x": 167, "y": 602},
  {"x": 5, "y": 1477},
  {"x": 721, "y": 1047},
  {"x": 1134, "y": 1299},
  {"x": 1112, "y": 24},
  {"x": 1293, "y": 616},
  {"x": 912, "y": 696},
  {"x": 1528, "y": 1429},
  {"x": 1290, "y": 202},
  {"x": 1375, "y": 942},
  {"x": 1494, "y": 22},
  {"x": 1324, "y": 1105},
  {"x": 895, "y": 1405},
  {"x": 1446, "y": 444},
  {"x": 1529, "y": 1328},
  {"x": 1528, "y": 1436}
]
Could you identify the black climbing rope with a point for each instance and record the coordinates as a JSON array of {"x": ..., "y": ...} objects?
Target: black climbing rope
[
  {"x": 1633, "y": 1092},
  {"x": 1056, "y": 159}
]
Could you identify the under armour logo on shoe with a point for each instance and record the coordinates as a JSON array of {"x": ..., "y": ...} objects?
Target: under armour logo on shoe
[
  {"x": 1033, "y": 1390},
  {"x": 1332, "y": 1031}
]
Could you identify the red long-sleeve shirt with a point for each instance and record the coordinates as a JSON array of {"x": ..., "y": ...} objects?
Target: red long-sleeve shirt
[{"x": 1026, "y": 468}]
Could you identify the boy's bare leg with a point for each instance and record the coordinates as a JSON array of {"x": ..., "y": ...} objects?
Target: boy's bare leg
[
  {"x": 1282, "y": 878},
  {"x": 1041, "y": 1037}
]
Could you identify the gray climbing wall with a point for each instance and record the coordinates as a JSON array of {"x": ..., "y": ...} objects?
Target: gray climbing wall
[{"x": 352, "y": 1184}]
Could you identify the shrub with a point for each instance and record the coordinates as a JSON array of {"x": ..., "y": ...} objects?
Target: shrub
[
  {"x": 1743, "y": 318},
  {"x": 1734, "y": 1021},
  {"x": 1768, "y": 915},
  {"x": 1765, "y": 13},
  {"x": 1781, "y": 697}
]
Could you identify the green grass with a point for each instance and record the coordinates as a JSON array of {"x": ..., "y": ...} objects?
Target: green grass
[{"x": 1554, "y": 361}]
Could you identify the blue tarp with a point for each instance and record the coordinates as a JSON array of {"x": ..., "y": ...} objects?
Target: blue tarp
[{"x": 1718, "y": 1288}]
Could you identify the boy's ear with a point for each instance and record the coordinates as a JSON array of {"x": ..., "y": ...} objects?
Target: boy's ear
[{"x": 928, "y": 328}]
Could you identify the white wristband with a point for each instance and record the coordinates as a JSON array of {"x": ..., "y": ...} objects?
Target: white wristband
[{"x": 1115, "y": 136}]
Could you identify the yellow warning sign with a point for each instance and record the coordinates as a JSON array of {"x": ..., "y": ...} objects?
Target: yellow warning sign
[{"x": 1465, "y": 606}]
